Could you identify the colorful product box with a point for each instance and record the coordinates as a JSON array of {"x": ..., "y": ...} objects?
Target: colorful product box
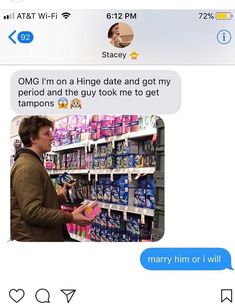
[
  {"x": 102, "y": 163},
  {"x": 115, "y": 195},
  {"x": 111, "y": 222},
  {"x": 139, "y": 162},
  {"x": 126, "y": 123},
  {"x": 93, "y": 193},
  {"x": 103, "y": 219},
  {"x": 140, "y": 197},
  {"x": 108, "y": 194},
  {"x": 110, "y": 162},
  {"x": 96, "y": 163},
  {"x": 118, "y": 122},
  {"x": 106, "y": 128},
  {"x": 92, "y": 210},
  {"x": 65, "y": 178},
  {"x": 150, "y": 181},
  {"x": 124, "y": 196},
  {"x": 150, "y": 198},
  {"x": 134, "y": 122},
  {"x": 100, "y": 193},
  {"x": 149, "y": 147},
  {"x": 142, "y": 182}
]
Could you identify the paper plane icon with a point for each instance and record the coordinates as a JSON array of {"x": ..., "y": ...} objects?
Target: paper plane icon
[{"x": 69, "y": 293}]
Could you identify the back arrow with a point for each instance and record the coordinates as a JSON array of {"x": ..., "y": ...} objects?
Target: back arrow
[{"x": 10, "y": 37}]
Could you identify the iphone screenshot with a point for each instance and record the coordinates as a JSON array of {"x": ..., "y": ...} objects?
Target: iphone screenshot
[{"x": 117, "y": 155}]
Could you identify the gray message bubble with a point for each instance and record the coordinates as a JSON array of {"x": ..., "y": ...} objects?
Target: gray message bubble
[{"x": 98, "y": 91}]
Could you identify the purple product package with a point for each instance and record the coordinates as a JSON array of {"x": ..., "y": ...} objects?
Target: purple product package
[
  {"x": 83, "y": 159},
  {"x": 72, "y": 122}
]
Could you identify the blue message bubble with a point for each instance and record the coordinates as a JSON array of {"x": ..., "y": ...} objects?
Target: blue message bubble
[{"x": 186, "y": 259}]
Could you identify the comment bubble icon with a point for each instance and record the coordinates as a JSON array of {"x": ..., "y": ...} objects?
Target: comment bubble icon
[{"x": 42, "y": 296}]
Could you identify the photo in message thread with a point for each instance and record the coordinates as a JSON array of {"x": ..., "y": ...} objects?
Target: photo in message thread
[{"x": 107, "y": 173}]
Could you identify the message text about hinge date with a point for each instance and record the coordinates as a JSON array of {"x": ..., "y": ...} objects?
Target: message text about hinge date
[{"x": 97, "y": 87}]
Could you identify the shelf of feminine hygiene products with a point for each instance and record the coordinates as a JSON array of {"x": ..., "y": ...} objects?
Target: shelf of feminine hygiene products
[
  {"x": 79, "y": 238},
  {"x": 144, "y": 170},
  {"x": 88, "y": 143},
  {"x": 127, "y": 209},
  {"x": 72, "y": 171}
]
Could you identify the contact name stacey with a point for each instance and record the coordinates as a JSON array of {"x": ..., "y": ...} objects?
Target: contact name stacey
[{"x": 111, "y": 55}]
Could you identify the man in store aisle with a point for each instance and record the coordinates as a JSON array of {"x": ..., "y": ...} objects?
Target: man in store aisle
[{"x": 35, "y": 206}]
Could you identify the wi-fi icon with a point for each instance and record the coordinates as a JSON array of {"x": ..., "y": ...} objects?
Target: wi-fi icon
[{"x": 66, "y": 15}]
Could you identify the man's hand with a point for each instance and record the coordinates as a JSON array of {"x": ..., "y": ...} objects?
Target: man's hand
[{"x": 79, "y": 218}]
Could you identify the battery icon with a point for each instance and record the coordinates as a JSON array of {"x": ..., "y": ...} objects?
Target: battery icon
[{"x": 223, "y": 15}]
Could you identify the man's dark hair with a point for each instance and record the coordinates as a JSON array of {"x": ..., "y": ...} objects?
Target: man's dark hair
[{"x": 29, "y": 128}]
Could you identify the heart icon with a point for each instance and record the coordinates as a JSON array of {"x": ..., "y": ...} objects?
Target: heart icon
[{"x": 16, "y": 295}]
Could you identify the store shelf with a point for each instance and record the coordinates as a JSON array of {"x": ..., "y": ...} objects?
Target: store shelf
[
  {"x": 149, "y": 170},
  {"x": 128, "y": 209},
  {"x": 100, "y": 171},
  {"x": 133, "y": 135},
  {"x": 146, "y": 170},
  {"x": 69, "y": 146},
  {"x": 72, "y": 171},
  {"x": 78, "y": 238}
]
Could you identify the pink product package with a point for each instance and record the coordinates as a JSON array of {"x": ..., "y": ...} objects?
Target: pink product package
[
  {"x": 88, "y": 160},
  {"x": 93, "y": 130},
  {"x": 134, "y": 123},
  {"x": 118, "y": 129},
  {"x": 92, "y": 210},
  {"x": 126, "y": 124},
  {"x": 88, "y": 232},
  {"x": 62, "y": 123},
  {"x": 72, "y": 122},
  {"x": 106, "y": 128},
  {"x": 81, "y": 122}
]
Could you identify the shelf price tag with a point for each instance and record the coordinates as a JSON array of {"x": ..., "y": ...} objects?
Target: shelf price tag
[
  {"x": 89, "y": 146},
  {"x": 129, "y": 176},
  {"x": 142, "y": 219},
  {"x": 111, "y": 175},
  {"x": 113, "y": 142},
  {"x": 109, "y": 210},
  {"x": 125, "y": 213},
  {"x": 96, "y": 175}
]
